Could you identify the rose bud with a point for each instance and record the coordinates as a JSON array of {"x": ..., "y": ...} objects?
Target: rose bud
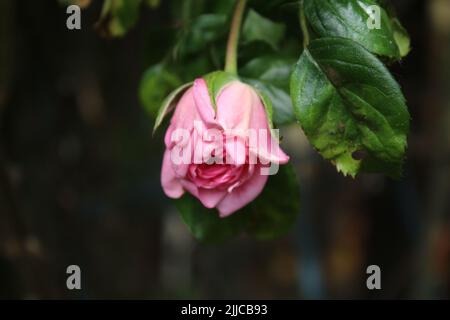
[{"x": 213, "y": 140}]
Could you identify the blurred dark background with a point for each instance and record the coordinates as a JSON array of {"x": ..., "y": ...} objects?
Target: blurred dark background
[{"x": 79, "y": 178}]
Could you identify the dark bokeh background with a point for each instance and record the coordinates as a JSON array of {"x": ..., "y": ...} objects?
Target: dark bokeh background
[{"x": 79, "y": 179}]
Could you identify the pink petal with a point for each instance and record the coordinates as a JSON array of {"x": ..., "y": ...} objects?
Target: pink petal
[
  {"x": 189, "y": 187},
  {"x": 236, "y": 150},
  {"x": 171, "y": 185},
  {"x": 203, "y": 101},
  {"x": 210, "y": 197},
  {"x": 259, "y": 118},
  {"x": 268, "y": 150},
  {"x": 235, "y": 106},
  {"x": 185, "y": 112},
  {"x": 242, "y": 195}
]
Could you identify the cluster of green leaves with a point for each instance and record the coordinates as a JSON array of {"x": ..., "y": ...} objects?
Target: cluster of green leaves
[
  {"x": 347, "y": 102},
  {"x": 269, "y": 216},
  {"x": 340, "y": 91},
  {"x": 267, "y": 55},
  {"x": 187, "y": 41}
]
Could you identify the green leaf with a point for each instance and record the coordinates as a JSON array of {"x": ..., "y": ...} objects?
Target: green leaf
[
  {"x": 157, "y": 82},
  {"x": 270, "y": 69},
  {"x": 274, "y": 212},
  {"x": 169, "y": 103},
  {"x": 258, "y": 28},
  {"x": 348, "y": 19},
  {"x": 205, "y": 224},
  {"x": 224, "y": 6},
  {"x": 118, "y": 16},
  {"x": 350, "y": 107},
  {"x": 201, "y": 32},
  {"x": 216, "y": 81},
  {"x": 401, "y": 38},
  {"x": 270, "y": 75}
]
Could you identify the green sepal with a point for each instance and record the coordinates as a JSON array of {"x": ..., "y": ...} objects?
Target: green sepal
[
  {"x": 216, "y": 81},
  {"x": 169, "y": 103}
]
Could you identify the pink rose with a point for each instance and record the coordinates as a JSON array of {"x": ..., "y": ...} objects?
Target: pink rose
[{"x": 217, "y": 128}]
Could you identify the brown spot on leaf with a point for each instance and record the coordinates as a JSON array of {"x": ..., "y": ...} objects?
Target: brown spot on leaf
[
  {"x": 333, "y": 75},
  {"x": 359, "y": 154}
]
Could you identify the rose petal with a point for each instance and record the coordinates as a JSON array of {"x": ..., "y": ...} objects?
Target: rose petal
[
  {"x": 267, "y": 152},
  {"x": 203, "y": 101},
  {"x": 185, "y": 112},
  {"x": 234, "y": 106},
  {"x": 242, "y": 195},
  {"x": 236, "y": 150},
  {"x": 189, "y": 187},
  {"x": 170, "y": 183},
  {"x": 210, "y": 197}
]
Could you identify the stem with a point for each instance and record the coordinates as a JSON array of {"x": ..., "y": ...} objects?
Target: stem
[
  {"x": 233, "y": 39},
  {"x": 304, "y": 25}
]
